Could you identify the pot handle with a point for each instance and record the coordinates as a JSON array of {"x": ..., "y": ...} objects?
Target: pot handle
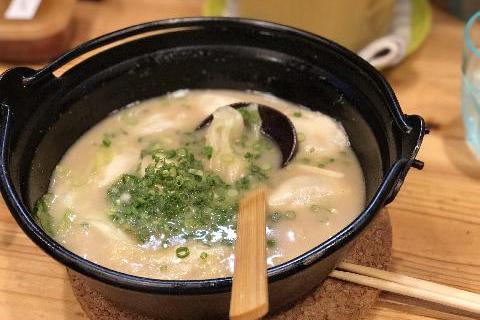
[
  {"x": 121, "y": 36},
  {"x": 411, "y": 142}
]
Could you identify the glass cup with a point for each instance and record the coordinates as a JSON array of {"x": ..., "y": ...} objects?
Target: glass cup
[{"x": 471, "y": 83}]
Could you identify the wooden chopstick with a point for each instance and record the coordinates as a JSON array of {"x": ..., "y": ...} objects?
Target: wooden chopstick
[
  {"x": 408, "y": 286},
  {"x": 400, "y": 278}
]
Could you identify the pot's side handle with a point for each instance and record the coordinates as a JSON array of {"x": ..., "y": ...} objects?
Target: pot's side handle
[
  {"x": 411, "y": 143},
  {"x": 414, "y": 137},
  {"x": 14, "y": 110},
  {"x": 14, "y": 95}
]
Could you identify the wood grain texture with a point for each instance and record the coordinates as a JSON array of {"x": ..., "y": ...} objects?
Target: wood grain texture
[
  {"x": 47, "y": 22},
  {"x": 435, "y": 217},
  {"x": 44, "y": 37},
  {"x": 249, "y": 298}
]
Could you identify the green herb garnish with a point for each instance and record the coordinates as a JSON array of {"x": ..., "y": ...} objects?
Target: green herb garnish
[
  {"x": 297, "y": 114},
  {"x": 42, "y": 215},
  {"x": 325, "y": 162},
  {"x": 300, "y": 137},
  {"x": 290, "y": 214},
  {"x": 207, "y": 152},
  {"x": 243, "y": 183},
  {"x": 176, "y": 197},
  {"x": 271, "y": 243},
  {"x": 106, "y": 142},
  {"x": 182, "y": 252},
  {"x": 257, "y": 172},
  {"x": 203, "y": 255},
  {"x": 66, "y": 221},
  {"x": 250, "y": 117},
  {"x": 85, "y": 226},
  {"x": 275, "y": 217},
  {"x": 248, "y": 155}
]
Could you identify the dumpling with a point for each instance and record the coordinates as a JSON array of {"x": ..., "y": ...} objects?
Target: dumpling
[
  {"x": 160, "y": 122},
  {"x": 307, "y": 188},
  {"x": 115, "y": 166},
  {"x": 226, "y": 127},
  {"x": 324, "y": 139}
]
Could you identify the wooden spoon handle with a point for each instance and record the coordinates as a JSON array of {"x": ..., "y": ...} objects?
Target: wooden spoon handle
[{"x": 249, "y": 298}]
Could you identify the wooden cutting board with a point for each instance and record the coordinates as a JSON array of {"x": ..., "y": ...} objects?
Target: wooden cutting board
[{"x": 46, "y": 35}]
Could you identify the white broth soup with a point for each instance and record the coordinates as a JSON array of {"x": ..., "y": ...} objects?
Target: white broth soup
[{"x": 144, "y": 193}]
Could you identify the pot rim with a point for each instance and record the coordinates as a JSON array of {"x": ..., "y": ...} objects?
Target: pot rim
[{"x": 386, "y": 191}]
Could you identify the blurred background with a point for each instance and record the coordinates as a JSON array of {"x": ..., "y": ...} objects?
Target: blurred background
[{"x": 382, "y": 31}]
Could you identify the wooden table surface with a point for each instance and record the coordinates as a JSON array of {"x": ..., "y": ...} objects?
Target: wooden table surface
[{"x": 435, "y": 218}]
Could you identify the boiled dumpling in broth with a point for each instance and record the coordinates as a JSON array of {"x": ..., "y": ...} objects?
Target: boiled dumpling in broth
[
  {"x": 115, "y": 165},
  {"x": 307, "y": 186},
  {"x": 322, "y": 136},
  {"x": 145, "y": 193},
  {"x": 226, "y": 127}
]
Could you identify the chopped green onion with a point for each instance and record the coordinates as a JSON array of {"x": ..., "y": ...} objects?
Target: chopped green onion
[
  {"x": 248, "y": 155},
  {"x": 169, "y": 154},
  {"x": 258, "y": 172},
  {"x": 297, "y": 114},
  {"x": 207, "y": 152},
  {"x": 290, "y": 214},
  {"x": 106, "y": 142},
  {"x": 271, "y": 243},
  {"x": 66, "y": 221},
  {"x": 257, "y": 145},
  {"x": 85, "y": 226},
  {"x": 42, "y": 215},
  {"x": 324, "y": 162},
  {"x": 182, "y": 152},
  {"x": 182, "y": 252},
  {"x": 250, "y": 117},
  {"x": 243, "y": 183},
  {"x": 203, "y": 255},
  {"x": 300, "y": 137},
  {"x": 276, "y": 216}
]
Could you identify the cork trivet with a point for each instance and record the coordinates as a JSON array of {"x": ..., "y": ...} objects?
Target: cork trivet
[{"x": 333, "y": 300}]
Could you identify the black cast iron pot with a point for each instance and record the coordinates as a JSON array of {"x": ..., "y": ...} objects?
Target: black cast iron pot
[{"x": 43, "y": 112}]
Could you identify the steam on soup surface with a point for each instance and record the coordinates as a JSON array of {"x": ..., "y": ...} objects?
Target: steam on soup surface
[{"x": 143, "y": 193}]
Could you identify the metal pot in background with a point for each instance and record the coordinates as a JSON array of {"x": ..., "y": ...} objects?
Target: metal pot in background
[{"x": 352, "y": 24}]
